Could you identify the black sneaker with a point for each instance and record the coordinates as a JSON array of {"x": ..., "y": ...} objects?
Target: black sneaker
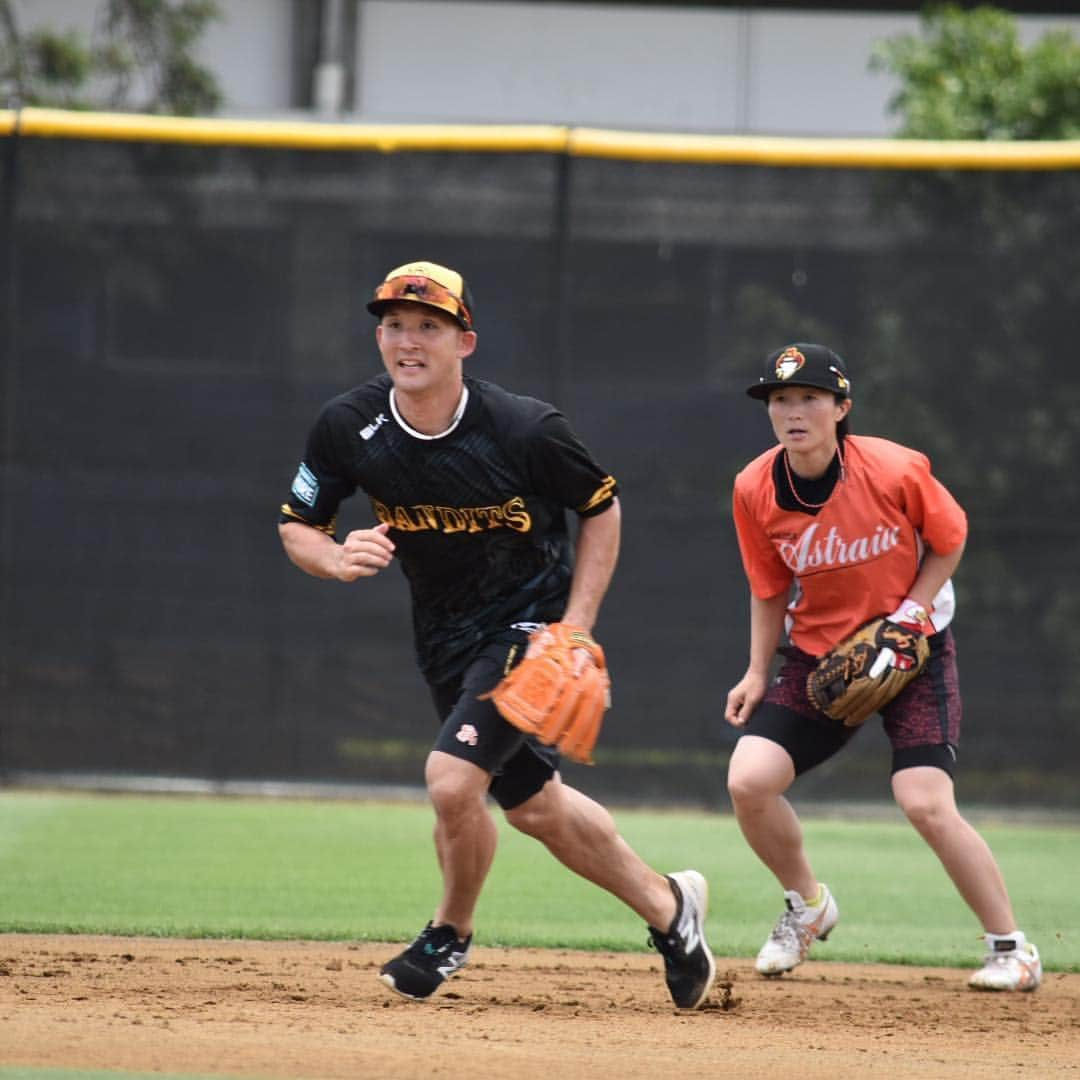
[
  {"x": 426, "y": 964},
  {"x": 689, "y": 967}
]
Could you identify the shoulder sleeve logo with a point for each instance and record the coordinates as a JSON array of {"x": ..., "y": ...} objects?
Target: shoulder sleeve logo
[{"x": 305, "y": 485}]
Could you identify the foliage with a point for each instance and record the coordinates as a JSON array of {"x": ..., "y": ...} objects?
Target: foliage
[
  {"x": 989, "y": 284},
  {"x": 967, "y": 76},
  {"x": 139, "y": 58}
]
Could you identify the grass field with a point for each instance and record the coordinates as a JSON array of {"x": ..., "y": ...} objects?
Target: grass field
[{"x": 182, "y": 866}]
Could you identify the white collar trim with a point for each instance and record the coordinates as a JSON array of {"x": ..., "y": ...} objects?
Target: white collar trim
[{"x": 459, "y": 412}]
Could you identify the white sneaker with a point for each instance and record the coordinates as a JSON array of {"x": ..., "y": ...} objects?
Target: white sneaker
[
  {"x": 1011, "y": 964},
  {"x": 795, "y": 931}
]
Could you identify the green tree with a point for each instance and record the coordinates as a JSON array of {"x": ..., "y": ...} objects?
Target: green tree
[
  {"x": 976, "y": 309},
  {"x": 966, "y": 75},
  {"x": 139, "y": 58}
]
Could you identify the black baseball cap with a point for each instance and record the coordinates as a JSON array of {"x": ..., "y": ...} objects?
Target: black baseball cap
[{"x": 803, "y": 364}]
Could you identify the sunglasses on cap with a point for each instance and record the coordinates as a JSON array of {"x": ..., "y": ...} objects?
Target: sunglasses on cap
[{"x": 426, "y": 291}]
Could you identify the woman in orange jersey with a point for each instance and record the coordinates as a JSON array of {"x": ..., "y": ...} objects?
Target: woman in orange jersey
[{"x": 836, "y": 529}]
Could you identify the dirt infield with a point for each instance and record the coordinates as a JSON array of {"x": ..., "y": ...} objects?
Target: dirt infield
[{"x": 315, "y": 1011}]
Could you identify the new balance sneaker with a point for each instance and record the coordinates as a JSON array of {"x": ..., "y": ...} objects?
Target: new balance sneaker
[
  {"x": 427, "y": 963},
  {"x": 689, "y": 967},
  {"x": 795, "y": 931},
  {"x": 1012, "y": 963}
]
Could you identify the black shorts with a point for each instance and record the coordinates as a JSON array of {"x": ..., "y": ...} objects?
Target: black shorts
[
  {"x": 474, "y": 731},
  {"x": 922, "y": 722}
]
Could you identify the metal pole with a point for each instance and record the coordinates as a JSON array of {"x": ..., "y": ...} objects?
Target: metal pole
[
  {"x": 328, "y": 90},
  {"x": 743, "y": 68},
  {"x": 560, "y": 276},
  {"x": 8, "y": 394}
]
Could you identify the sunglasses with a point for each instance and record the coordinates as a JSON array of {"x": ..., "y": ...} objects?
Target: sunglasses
[{"x": 427, "y": 291}]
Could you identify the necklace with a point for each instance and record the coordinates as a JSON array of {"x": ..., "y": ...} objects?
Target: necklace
[
  {"x": 795, "y": 491},
  {"x": 459, "y": 412}
]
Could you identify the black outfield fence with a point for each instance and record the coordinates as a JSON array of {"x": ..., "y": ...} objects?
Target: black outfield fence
[{"x": 179, "y": 297}]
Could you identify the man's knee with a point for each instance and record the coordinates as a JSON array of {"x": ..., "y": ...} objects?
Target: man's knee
[{"x": 454, "y": 786}]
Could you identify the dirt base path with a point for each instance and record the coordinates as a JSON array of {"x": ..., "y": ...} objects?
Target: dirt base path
[{"x": 315, "y": 1011}]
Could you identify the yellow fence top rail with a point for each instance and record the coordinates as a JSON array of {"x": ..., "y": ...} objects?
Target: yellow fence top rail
[
  {"x": 831, "y": 153},
  {"x": 538, "y": 138},
  {"x": 388, "y": 138}
]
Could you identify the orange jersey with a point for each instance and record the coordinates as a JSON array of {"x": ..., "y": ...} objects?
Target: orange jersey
[{"x": 858, "y": 556}]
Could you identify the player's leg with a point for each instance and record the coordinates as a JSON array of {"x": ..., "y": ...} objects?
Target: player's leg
[
  {"x": 759, "y": 773},
  {"x": 923, "y": 724},
  {"x": 582, "y": 835},
  {"x": 465, "y": 840},
  {"x": 784, "y": 738},
  {"x": 926, "y": 796},
  {"x": 465, "y": 836},
  {"x": 472, "y": 744}
]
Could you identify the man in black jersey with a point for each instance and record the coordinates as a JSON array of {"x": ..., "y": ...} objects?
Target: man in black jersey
[{"x": 470, "y": 487}]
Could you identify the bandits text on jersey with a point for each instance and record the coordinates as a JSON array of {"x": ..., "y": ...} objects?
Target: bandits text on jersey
[{"x": 512, "y": 514}]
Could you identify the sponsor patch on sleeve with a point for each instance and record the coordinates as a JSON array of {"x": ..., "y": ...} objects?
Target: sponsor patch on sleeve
[{"x": 305, "y": 486}]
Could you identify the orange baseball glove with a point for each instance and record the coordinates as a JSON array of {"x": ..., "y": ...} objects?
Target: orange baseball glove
[{"x": 559, "y": 692}]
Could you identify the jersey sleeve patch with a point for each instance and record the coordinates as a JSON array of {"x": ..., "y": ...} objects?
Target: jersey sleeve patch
[
  {"x": 305, "y": 486},
  {"x": 603, "y": 494}
]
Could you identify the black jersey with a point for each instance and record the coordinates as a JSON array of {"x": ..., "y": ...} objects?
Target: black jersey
[{"x": 478, "y": 515}]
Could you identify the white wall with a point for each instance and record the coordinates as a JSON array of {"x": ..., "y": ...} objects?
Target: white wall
[
  {"x": 653, "y": 67},
  {"x": 546, "y": 63},
  {"x": 807, "y": 73},
  {"x": 250, "y": 52},
  {"x": 647, "y": 67}
]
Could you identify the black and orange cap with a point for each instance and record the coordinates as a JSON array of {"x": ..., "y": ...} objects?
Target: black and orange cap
[{"x": 802, "y": 365}]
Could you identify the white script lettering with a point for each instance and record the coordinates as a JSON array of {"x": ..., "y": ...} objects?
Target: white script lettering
[{"x": 811, "y": 551}]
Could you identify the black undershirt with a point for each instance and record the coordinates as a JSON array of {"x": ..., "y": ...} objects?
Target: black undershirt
[{"x": 816, "y": 491}]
